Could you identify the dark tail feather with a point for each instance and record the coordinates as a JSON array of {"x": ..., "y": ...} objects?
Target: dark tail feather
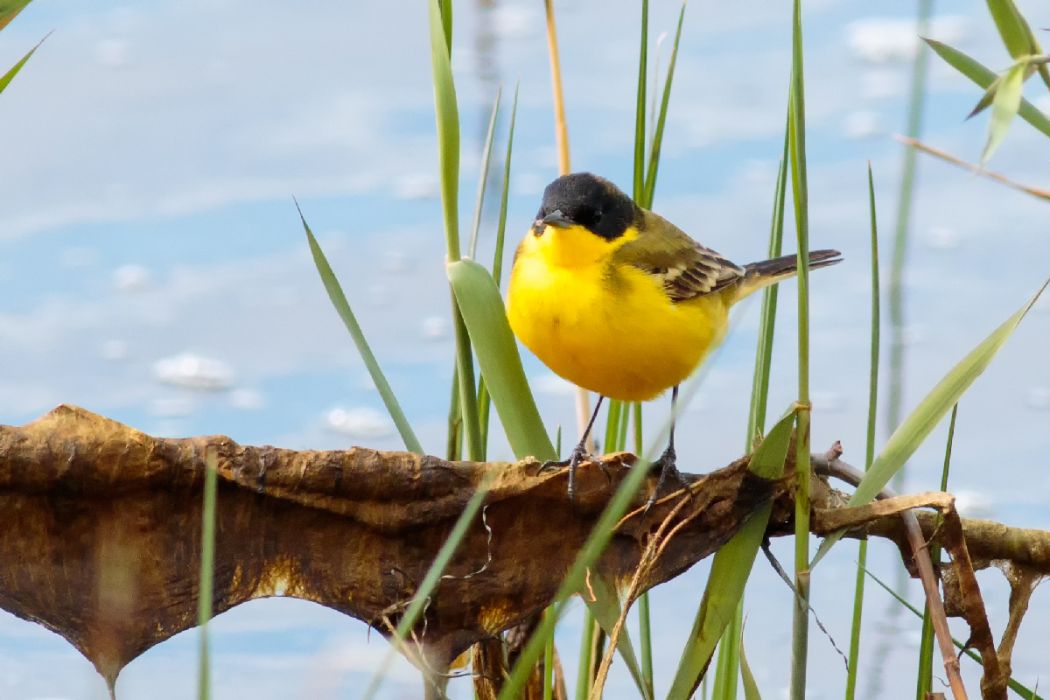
[{"x": 767, "y": 272}]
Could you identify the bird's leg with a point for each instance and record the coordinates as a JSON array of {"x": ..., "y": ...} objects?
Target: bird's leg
[
  {"x": 578, "y": 454},
  {"x": 667, "y": 461}
]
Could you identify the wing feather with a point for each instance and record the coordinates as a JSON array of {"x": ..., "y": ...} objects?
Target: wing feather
[{"x": 685, "y": 268}]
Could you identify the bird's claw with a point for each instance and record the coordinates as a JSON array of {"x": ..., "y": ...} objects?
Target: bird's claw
[
  {"x": 668, "y": 472},
  {"x": 579, "y": 454},
  {"x": 552, "y": 465}
]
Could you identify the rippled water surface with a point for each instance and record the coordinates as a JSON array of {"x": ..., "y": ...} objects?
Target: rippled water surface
[{"x": 152, "y": 266}]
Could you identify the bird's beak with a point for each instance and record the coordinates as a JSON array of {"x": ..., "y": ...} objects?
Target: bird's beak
[{"x": 555, "y": 219}]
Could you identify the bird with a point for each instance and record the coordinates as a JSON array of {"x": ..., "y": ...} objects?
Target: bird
[{"x": 619, "y": 301}]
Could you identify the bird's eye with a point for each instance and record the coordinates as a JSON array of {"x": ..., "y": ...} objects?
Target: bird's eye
[{"x": 589, "y": 217}]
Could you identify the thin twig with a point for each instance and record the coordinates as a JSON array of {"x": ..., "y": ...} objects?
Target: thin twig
[
  {"x": 787, "y": 580},
  {"x": 488, "y": 558},
  {"x": 975, "y": 169}
]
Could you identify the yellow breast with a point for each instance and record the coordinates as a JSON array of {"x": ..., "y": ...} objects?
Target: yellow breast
[{"x": 610, "y": 329}]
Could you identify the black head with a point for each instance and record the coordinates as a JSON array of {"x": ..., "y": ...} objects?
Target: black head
[{"x": 586, "y": 200}]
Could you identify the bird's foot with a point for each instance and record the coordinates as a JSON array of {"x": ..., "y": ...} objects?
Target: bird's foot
[
  {"x": 668, "y": 472},
  {"x": 578, "y": 455}
]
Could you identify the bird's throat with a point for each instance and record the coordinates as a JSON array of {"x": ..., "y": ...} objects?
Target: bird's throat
[{"x": 575, "y": 246}]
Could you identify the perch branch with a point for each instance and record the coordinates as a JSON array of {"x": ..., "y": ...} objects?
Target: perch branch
[{"x": 100, "y": 525}]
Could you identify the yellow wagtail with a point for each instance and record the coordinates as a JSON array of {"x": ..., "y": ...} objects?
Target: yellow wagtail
[{"x": 620, "y": 301}]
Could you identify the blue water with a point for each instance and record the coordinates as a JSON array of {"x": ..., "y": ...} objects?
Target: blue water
[{"x": 151, "y": 153}]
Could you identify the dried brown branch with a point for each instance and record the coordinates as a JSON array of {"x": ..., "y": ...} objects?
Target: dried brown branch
[
  {"x": 1023, "y": 582},
  {"x": 100, "y": 523},
  {"x": 890, "y": 504},
  {"x": 993, "y": 683},
  {"x": 962, "y": 591},
  {"x": 988, "y": 541}
]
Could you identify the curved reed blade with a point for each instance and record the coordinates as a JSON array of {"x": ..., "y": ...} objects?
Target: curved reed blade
[
  {"x": 913, "y": 431},
  {"x": 481, "y": 305},
  {"x": 342, "y": 307}
]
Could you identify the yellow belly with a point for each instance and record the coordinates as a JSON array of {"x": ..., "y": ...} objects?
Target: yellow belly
[{"x": 617, "y": 335}]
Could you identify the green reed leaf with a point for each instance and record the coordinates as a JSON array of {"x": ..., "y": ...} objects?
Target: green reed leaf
[
  {"x": 342, "y": 307},
  {"x": 482, "y": 308},
  {"x": 916, "y": 427},
  {"x": 731, "y": 568}
]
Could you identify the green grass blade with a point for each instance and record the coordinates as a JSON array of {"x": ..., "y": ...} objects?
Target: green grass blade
[
  {"x": 483, "y": 176},
  {"x": 10, "y": 75},
  {"x": 481, "y": 305},
  {"x": 454, "y": 444},
  {"x": 1016, "y": 686},
  {"x": 583, "y": 676},
  {"x": 206, "y": 582},
  {"x": 800, "y": 193},
  {"x": 767, "y": 461},
  {"x": 445, "y": 7},
  {"x": 548, "y": 664},
  {"x": 501, "y": 227},
  {"x": 625, "y": 424},
  {"x": 750, "y": 685},
  {"x": 484, "y": 408},
  {"x": 645, "y": 640},
  {"x": 924, "y": 676},
  {"x": 430, "y": 582},
  {"x": 986, "y": 98},
  {"x": 913, "y": 431},
  {"x": 9, "y": 9},
  {"x": 727, "y": 666},
  {"x": 447, "y": 116},
  {"x": 484, "y": 398},
  {"x": 935, "y": 405},
  {"x": 645, "y": 633},
  {"x": 642, "y": 192},
  {"x": 984, "y": 77},
  {"x": 342, "y": 307},
  {"x": 639, "y": 108},
  {"x": 638, "y": 193},
  {"x": 730, "y": 569},
  {"x": 756, "y": 419},
  {"x": 636, "y": 411},
  {"x": 605, "y": 607},
  {"x": 1005, "y": 104},
  {"x": 1016, "y": 34},
  {"x": 873, "y": 404},
  {"x": 612, "y": 425},
  {"x": 661, "y": 118}
]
